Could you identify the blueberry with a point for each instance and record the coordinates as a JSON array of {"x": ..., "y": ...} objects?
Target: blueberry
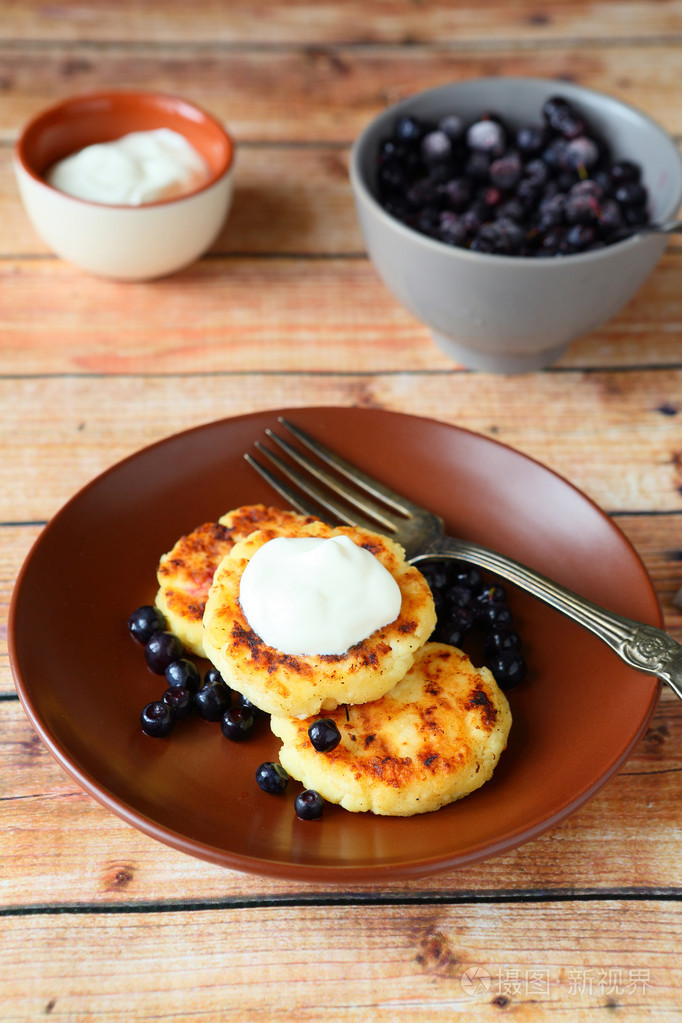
[
  {"x": 309, "y": 805},
  {"x": 435, "y": 573},
  {"x": 459, "y": 595},
  {"x": 237, "y": 723},
  {"x": 272, "y": 778},
  {"x": 530, "y": 139},
  {"x": 456, "y": 626},
  {"x": 212, "y": 699},
  {"x": 457, "y": 193},
  {"x": 157, "y": 719},
  {"x": 501, "y": 639},
  {"x": 409, "y": 129},
  {"x": 505, "y": 172},
  {"x": 631, "y": 193},
  {"x": 184, "y": 673},
  {"x": 486, "y": 136},
  {"x": 144, "y": 622},
  {"x": 508, "y": 668},
  {"x": 162, "y": 648},
  {"x": 245, "y": 702},
  {"x": 496, "y": 615},
  {"x": 180, "y": 700},
  {"x": 451, "y": 229},
  {"x": 324, "y": 735},
  {"x": 582, "y": 152},
  {"x": 453, "y": 126},
  {"x": 436, "y": 147}
]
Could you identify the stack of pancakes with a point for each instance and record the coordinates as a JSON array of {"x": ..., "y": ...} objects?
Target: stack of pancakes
[{"x": 420, "y": 725}]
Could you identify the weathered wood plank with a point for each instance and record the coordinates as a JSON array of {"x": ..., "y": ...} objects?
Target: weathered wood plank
[
  {"x": 321, "y": 94},
  {"x": 62, "y": 848},
  {"x": 614, "y": 435},
  {"x": 286, "y": 315},
  {"x": 385, "y": 963},
  {"x": 391, "y": 21}
]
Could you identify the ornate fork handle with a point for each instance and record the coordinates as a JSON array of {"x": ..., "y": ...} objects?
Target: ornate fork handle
[{"x": 643, "y": 647}]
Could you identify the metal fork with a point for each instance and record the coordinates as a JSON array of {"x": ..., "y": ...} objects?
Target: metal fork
[{"x": 369, "y": 504}]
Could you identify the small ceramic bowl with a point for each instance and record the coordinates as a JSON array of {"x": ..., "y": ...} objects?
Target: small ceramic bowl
[
  {"x": 132, "y": 243},
  {"x": 511, "y": 314}
]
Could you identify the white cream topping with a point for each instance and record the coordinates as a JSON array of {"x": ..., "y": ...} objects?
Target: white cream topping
[
  {"x": 138, "y": 168},
  {"x": 308, "y": 595}
]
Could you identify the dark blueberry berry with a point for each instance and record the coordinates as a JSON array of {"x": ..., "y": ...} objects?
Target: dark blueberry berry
[
  {"x": 157, "y": 719},
  {"x": 458, "y": 624},
  {"x": 144, "y": 622},
  {"x": 530, "y": 140},
  {"x": 453, "y": 126},
  {"x": 184, "y": 673},
  {"x": 244, "y": 701},
  {"x": 486, "y": 136},
  {"x": 409, "y": 129},
  {"x": 451, "y": 229},
  {"x": 212, "y": 699},
  {"x": 459, "y": 595},
  {"x": 505, "y": 172},
  {"x": 272, "y": 778},
  {"x": 436, "y": 574},
  {"x": 436, "y": 147},
  {"x": 582, "y": 153},
  {"x": 582, "y": 209},
  {"x": 495, "y": 594},
  {"x": 162, "y": 648},
  {"x": 501, "y": 639},
  {"x": 495, "y": 615},
  {"x": 309, "y": 805},
  {"x": 237, "y": 723},
  {"x": 324, "y": 735},
  {"x": 508, "y": 668},
  {"x": 180, "y": 700},
  {"x": 625, "y": 170},
  {"x": 213, "y": 675},
  {"x": 631, "y": 193},
  {"x": 457, "y": 193}
]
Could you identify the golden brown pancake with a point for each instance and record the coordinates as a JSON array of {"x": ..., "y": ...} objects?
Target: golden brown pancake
[
  {"x": 436, "y": 737},
  {"x": 186, "y": 572},
  {"x": 299, "y": 685}
]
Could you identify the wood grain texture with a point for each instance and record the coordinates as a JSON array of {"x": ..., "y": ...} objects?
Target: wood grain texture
[
  {"x": 321, "y": 94},
  {"x": 403, "y": 22},
  {"x": 609, "y": 433},
  {"x": 100, "y": 922},
  {"x": 275, "y": 315},
  {"x": 383, "y": 963}
]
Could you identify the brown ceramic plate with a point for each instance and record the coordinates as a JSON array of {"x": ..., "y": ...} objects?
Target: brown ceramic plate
[{"x": 83, "y": 681}]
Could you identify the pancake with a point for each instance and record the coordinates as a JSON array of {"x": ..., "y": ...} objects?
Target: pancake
[
  {"x": 436, "y": 737},
  {"x": 301, "y": 684},
  {"x": 186, "y": 572}
]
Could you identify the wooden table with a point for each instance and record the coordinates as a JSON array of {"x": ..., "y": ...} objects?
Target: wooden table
[{"x": 99, "y": 921}]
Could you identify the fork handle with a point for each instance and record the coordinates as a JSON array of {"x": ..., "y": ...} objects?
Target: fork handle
[{"x": 641, "y": 646}]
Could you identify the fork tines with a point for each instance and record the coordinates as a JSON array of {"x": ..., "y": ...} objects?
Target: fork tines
[{"x": 317, "y": 491}]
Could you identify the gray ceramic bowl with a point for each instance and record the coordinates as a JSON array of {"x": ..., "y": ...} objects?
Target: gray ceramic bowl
[{"x": 510, "y": 314}]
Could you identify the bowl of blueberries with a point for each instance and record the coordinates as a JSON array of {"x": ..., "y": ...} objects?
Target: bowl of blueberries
[{"x": 509, "y": 215}]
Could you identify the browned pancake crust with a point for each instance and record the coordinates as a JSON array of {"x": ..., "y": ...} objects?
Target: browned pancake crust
[
  {"x": 433, "y": 739},
  {"x": 283, "y": 683},
  {"x": 185, "y": 574}
]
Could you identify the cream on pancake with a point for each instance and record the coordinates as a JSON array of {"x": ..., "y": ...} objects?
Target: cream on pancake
[
  {"x": 186, "y": 572},
  {"x": 436, "y": 737},
  {"x": 302, "y": 684}
]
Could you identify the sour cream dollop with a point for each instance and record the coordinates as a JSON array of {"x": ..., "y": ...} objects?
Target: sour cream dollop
[
  {"x": 312, "y": 595},
  {"x": 138, "y": 168}
]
